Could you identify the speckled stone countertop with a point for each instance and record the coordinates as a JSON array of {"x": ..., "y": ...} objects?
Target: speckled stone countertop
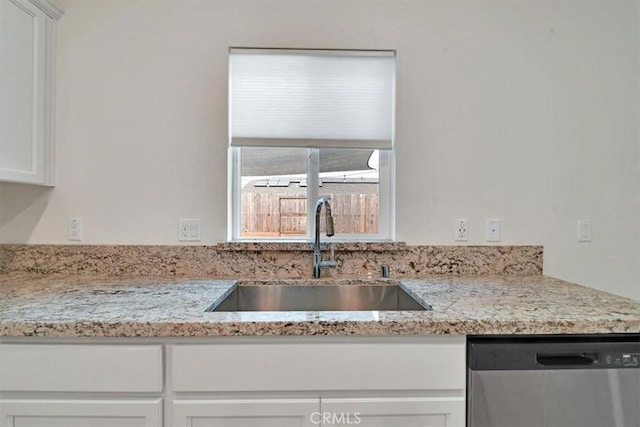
[{"x": 85, "y": 306}]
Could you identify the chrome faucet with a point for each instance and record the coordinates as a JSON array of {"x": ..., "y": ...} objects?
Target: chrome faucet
[{"x": 318, "y": 263}]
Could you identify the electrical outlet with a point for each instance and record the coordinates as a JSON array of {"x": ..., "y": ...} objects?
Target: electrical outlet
[
  {"x": 584, "y": 230},
  {"x": 189, "y": 229},
  {"x": 74, "y": 230},
  {"x": 461, "y": 230},
  {"x": 493, "y": 230}
]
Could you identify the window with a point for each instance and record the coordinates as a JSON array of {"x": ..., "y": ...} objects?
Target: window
[{"x": 305, "y": 124}]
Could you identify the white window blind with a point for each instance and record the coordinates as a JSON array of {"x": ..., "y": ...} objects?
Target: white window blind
[{"x": 323, "y": 99}]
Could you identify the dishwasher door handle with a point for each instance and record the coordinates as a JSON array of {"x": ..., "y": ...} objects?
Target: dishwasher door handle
[{"x": 567, "y": 359}]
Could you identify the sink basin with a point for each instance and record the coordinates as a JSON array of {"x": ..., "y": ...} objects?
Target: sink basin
[{"x": 318, "y": 298}]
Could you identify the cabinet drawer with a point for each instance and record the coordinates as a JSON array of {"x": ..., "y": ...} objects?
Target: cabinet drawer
[
  {"x": 436, "y": 363},
  {"x": 82, "y": 368}
]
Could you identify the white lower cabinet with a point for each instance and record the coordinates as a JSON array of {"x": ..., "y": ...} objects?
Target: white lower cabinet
[
  {"x": 395, "y": 412},
  {"x": 365, "y": 412},
  {"x": 80, "y": 413},
  {"x": 245, "y": 413},
  {"x": 234, "y": 382},
  {"x": 62, "y": 385},
  {"x": 370, "y": 382}
]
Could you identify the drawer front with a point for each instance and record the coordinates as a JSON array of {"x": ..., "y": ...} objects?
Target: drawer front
[
  {"x": 81, "y": 368},
  {"x": 437, "y": 364}
]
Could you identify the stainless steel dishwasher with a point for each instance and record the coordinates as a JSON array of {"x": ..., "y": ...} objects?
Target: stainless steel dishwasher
[{"x": 554, "y": 381}]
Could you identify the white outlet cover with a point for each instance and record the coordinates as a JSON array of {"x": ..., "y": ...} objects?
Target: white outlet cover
[
  {"x": 461, "y": 231},
  {"x": 189, "y": 230},
  {"x": 74, "y": 229},
  {"x": 493, "y": 230}
]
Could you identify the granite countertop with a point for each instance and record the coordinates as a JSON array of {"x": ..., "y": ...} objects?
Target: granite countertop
[{"x": 90, "y": 306}]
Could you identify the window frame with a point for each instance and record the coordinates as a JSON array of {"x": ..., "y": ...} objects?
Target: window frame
[
  {"x": 386, "y": 149},
  {"x": 386, "y": 183}
]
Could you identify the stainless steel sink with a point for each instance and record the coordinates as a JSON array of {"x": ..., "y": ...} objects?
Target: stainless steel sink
[{"x": 318, "y": 298}]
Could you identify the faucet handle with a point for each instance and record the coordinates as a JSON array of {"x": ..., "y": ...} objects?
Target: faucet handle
[{"x": 329, "y": 263}]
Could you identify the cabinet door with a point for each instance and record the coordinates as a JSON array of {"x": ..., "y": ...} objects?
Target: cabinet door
[
  {"x": 23, "y": 34},
  {"x": 245, "y": 413},
  {"x": 395, "y": 412},
  {"x": 81, "y": 413}
]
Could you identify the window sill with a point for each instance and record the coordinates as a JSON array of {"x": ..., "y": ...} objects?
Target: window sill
[{"x": 307, "y": 246}]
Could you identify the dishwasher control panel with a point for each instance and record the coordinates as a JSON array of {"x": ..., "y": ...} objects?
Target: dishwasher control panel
[
  {"x": 621, "y": 360},
  {"x": 553, "y": 353}
]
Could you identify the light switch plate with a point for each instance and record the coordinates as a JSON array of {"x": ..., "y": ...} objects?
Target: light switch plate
[
  {"x": 493, "y": 230},
  {"x": 584, "y": 230}
]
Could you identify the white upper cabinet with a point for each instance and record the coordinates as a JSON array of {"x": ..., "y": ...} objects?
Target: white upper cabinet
[{"x": 27, "y": 39}]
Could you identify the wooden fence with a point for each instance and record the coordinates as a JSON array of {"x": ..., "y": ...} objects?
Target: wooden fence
[{"x": 274, "y": 215}]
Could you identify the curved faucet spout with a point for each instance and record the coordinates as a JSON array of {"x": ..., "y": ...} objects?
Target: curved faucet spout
[
  {"x": 317, "y": 254},
  {"x": 328, "y": 217}
]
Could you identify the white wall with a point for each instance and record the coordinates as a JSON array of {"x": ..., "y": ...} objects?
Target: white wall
[{"x": 523, "y": 110}]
